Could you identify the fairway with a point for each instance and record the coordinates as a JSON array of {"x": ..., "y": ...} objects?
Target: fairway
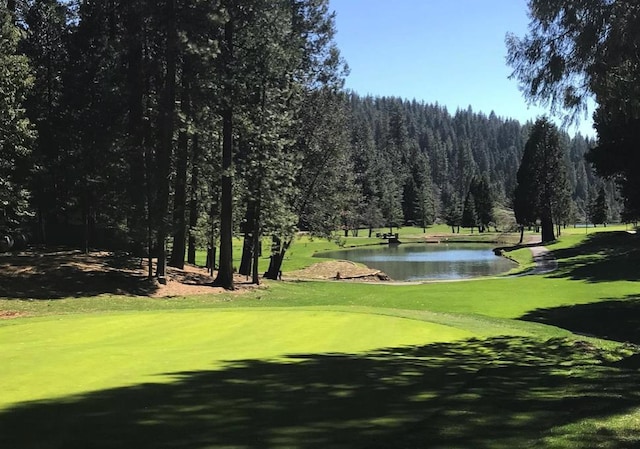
[{"x": 80, "y": 354}]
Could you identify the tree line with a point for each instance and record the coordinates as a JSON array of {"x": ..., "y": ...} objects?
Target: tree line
[
  {"x": 136, "y": 119},
  {"x": 417, "y": 163},
  {"x": 163, "y": 127}
]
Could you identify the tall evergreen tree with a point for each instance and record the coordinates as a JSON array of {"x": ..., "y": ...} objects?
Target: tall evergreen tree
[
  {"x": 542, "y": 183},
  {"x": 599, "y": 210},
  {"x": 469, "y": 217},
  {"x": 483, "y": 201}
]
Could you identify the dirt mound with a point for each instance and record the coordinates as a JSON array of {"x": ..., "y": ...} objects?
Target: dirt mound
[{"x": 338, "y": 270}]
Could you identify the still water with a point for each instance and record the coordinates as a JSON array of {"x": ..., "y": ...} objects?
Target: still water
[{"x": 428, "y": 261}]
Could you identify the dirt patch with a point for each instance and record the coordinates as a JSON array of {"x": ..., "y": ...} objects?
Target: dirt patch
[
  {"x": 193, "y": 280},
  {"x": 62, "y": 273},
  {"x": 6, "y": 315},
  {"x": 67, "y": 273},
  {"x": 337, "y": 270}
]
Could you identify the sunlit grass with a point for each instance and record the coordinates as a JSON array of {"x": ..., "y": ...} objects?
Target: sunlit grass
[{"x": 81, "y": 353}]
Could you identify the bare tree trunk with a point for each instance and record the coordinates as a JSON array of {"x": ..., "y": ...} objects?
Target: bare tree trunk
[
  {"x": 547, "y": 229},
  {"x": 163, "y": 163},
  {"x": 278, "y": 250},
  {"x": 225, "y": 268},
  {"x": 521, "y": 235},
  {"x": 248, "y": 244},
  {"x": 193, "y": 202},
  {"x": 255, "y": 278},
  {"x": 180, "y": 195}
]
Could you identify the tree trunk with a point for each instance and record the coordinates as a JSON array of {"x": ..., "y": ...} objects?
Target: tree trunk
[
  {"x": 257, "y": 246},
  {"x": 278, "y": 250},
  {"x": 85, "y": 219},
  {"x": 213, "y": 238},
  {"x": 163, "y": 163},
  {"x": 136, "y": 132},
  {"x": 521, "y": 235},
  {"x": 547, "y": 229},
  {"x": 193, "y": 201},
  {"x": 248, "y": 244},
  {"x": 225, "y": 268},
  {"x": 180, "y": 195}
]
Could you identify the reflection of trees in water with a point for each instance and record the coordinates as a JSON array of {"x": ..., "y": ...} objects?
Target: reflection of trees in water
[{"x": 429, "y": 261}]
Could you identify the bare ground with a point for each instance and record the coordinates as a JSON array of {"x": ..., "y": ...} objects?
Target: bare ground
[
  {"x": 60, "y": 273},
  {"x": 337, "y": 270},
  {"x": 63, "y": 273}
]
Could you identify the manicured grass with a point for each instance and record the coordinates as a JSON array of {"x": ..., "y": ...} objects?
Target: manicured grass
[
  {"x": 303, "y": 250},
  {"x": 490, "y": 363},
  {"x": 301, "y": 253},
  {"x": 83, "y": 353},
  {"x": 502, "y": 392}
]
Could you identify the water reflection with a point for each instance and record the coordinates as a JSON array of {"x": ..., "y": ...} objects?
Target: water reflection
[{"x": 428, "y": 261}]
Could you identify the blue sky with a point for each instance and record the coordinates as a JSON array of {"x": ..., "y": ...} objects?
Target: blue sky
[{"x": 450, "y": 52}]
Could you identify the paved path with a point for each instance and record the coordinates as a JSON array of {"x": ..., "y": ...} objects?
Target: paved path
[{"x": 544, "y": 260}]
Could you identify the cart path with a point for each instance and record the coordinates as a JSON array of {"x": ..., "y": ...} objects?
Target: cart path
[{"x": 544, "y": 260}]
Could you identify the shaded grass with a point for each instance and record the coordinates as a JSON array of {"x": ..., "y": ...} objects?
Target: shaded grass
[
  {"x": 617, "y": 319},
  {"x": 505, "y": 392},
  {"x": 606, "y": 256}
]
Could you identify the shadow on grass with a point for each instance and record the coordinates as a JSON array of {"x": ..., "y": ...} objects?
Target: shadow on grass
[
  {"x": 63, "y": 273},
  {"x": 497, "y": 393},
  {"x": 615, "y": 319},
  {"x": 605, "y": 256}
]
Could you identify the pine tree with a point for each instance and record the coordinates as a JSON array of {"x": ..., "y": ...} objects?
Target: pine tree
[
  {"x": 599, "y": 210},
  {"x": 469, "y": 213},
  {"x": 542, "y": 184},
  {"x": 16, "y": 131},
  {"x": 483, "y": 201}
]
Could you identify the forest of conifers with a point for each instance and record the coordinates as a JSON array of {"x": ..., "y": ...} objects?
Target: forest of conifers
[{"x": 170, "y": 126}]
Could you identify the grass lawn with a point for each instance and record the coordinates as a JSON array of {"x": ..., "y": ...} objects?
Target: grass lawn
[
  {"x": 302, "y": 252},
  {"x": 534, "y": 361}
]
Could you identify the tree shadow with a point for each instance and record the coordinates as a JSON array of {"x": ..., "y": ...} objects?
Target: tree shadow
[
  {"x": 605, "y": 256},
  {"x": 66, "y": 273},
  {"x": 497, "y": 393},
  {"x": 613, "y": 319}
]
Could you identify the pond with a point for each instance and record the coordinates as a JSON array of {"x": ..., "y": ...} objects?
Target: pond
[{"x": 415, "y": 262}]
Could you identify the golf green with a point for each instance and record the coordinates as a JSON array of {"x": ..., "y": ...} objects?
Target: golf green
[{"x": 52, "y": 357}]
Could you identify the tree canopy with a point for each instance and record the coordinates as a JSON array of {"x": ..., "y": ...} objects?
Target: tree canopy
[
  {"x": 16, "y": 131},
  {"x": 580, "y": 49},
  {"x": 542, "y": 192}
]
